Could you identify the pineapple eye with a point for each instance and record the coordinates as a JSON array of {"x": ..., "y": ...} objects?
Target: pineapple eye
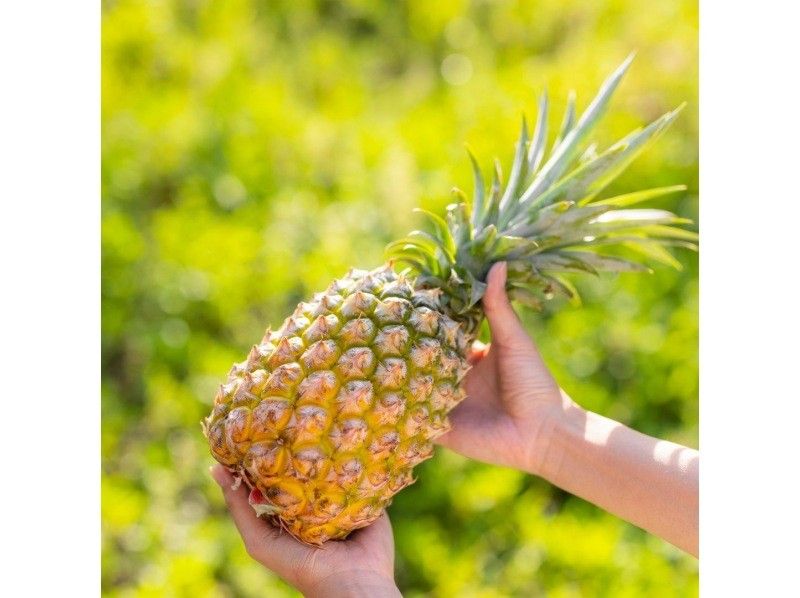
[
  {"x": 318, "y": 388},
  {"x": 425, "y": 321},
  {"x": 354, "y": 398},
  {"x": 356, "y": 363},
  {"x": 392, "y": 310},
  {"x": 358, "y": 304},
  {"x": 357, "y": 332},
  {"x": 391, "y": 341},
  {"x": 321, "y": 328}
]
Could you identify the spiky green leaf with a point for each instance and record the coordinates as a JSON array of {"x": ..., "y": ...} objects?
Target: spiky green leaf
[
  {"x": 476, "y": 290},
  {"x": 605, "y": 263},
  {"x": 564, "y": 153},
  {"x": 458, "y": 221},
  {"x": 568, "y": 121},
  {"x": 506, "y": 247},
  {"x": 478, "y": 207},
  {"x": 536, "y": 149},
  {"x": 596, "y": 172},
  {"x": 484, "y": 241},
  {"x": 525, "y": 296},
  {"x": 655, "y": 252},
  {"x": 434, "y": 241},
  {"x": 518, "y": 169},
  {"x": 629, "y": 199},
  {"x": 561, "y": 262},
  {"x": 442, "y": 232},
  {"x": 564, "y": 287}
]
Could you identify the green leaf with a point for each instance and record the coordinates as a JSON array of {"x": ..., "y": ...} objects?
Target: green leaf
[
  {"x": 659, "y": 230},
  {"x": 569, "y": 119},
  {"x": 565, "y": 287},
  {"x": 620, "y": 239},
  {"x": 478, "y": 193},
  {"x": 476, "y": 289},
  {"x": 413, "y": 257},
  {"x": 564, "y": 153},
  {"x": 655, "y": 251},
  {"x": 518, "y": 169},
  {"x": 591, "y": 177},
  {"x": 606, "y": 263},
  {"x": 435, "y": 241},
  {"x": 521, "y": 272},
  {"x": 495, "y": 194},
  {"x": 409, "y": 247},
  {"x": 564, "y": 227},
  {"x": 618, "y": 157},
  {"x": 629, "y": 199},
  {"x": 425, "y": 244},
  {"x": 589, "y": 154},
  {"x": 561, "y": 262},
  {"x": 512, "y": 247},
  {"x": 484, "y": 242},
  {"x": 415, "y": 264},
  {"x": 536, "y": 150},
  {"x": 412, "y": 240},
  {"x": 442, "y": 232},
  {"x": 544, "y": 218},
  {"x": 637, "y": 217},
  {"x": 458, "y": 222},
  {"x": 570, "y": 219},
  {"x": 526, "y": 297},
  {"x": 610, "y": 233}
]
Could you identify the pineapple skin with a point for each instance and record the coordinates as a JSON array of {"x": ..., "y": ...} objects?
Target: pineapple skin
[{"x": 327, "y": 417}]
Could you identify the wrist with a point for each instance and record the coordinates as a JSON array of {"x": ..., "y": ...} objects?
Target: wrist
[
  {"x": 556, "y": 422},
  {"x": 354, "y": 584}
]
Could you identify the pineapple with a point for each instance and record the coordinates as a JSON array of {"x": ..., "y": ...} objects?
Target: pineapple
[{"x": 328, "y": 415}]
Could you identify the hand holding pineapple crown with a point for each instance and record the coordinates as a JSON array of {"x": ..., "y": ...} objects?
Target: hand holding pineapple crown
[{"x": 327, "y": 417}]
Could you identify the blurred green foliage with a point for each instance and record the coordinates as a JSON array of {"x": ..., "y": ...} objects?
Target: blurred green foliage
[{"x": 252, "y": 151}]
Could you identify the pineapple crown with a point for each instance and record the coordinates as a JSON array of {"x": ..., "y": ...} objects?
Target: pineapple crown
[{"x": 546, "y": 221}]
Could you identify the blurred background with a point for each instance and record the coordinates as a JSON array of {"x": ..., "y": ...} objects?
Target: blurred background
[{"x": 253, "y": 151}]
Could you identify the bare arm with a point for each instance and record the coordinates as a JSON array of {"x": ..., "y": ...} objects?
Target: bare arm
[
  {"x": 649, "y": 482},
  {"x": 516, "y": 415}
]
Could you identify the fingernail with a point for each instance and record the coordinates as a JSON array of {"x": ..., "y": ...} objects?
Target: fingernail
[{"x": 500, "y": 269}]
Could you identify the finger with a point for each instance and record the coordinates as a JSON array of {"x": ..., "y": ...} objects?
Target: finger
[
  {"x": 462, "y": 425},
  {"x": 477, "y": 352},
  {"x": 506, "y": 328},
  {"x": 377, "y": 534},
  {"x": 264, "y": 542}
]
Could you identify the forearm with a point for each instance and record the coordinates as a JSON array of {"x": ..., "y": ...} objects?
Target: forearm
[
  {"x": 649, "y": 482},
  {"x": 354, "y": 585}
]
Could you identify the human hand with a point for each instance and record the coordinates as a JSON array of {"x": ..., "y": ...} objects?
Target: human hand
[
  {"x": 362, "y": 565},
  {"x": 512, "y": 401},
  {"x": 516, "y": 415}
]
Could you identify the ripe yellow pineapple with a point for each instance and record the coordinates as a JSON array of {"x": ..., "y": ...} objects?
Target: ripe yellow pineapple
[{"x": 328, "y": 415}]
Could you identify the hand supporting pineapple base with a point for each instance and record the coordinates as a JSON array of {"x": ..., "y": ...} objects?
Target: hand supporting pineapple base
[{"x": 328, "y": 415}]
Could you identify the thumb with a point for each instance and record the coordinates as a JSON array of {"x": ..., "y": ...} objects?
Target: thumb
[
  {"x": 263, "y": 541},
  {"x": 507, "y": 331}
]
